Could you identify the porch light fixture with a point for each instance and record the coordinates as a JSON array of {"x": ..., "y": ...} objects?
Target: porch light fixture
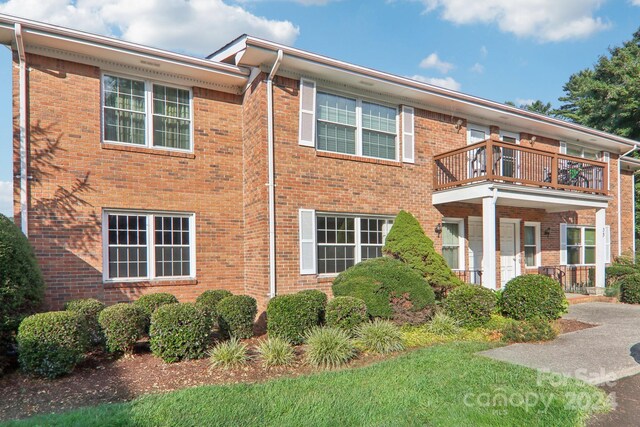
[
  {"x": 533, "y": 139},
  {"x": 547, "y": 232},
  {"x": 459, "y": 124},
  {"x": 438, "y": 229}
]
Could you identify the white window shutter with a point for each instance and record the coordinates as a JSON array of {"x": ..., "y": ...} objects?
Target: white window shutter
[
  {"x": 408, "y": 135},
  {"x": 563, "y": 147},
  {"x": 563, "y": 244},
  {"x": 386, "y": 227},
  {"x": 307, "y": 235},
  {"x": 606, "y": 157},
  {"x": 307, "y": 131},
  {"x": 607, "y": 242}
]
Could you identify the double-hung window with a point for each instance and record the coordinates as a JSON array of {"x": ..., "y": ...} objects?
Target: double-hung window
[
  {"x": 585, "y": 153},
  {"x": 581, "y": 245},
  {"x": 353, "y": 126},
  {"x": 452, "y": 243},
  {"x": 141, "y": 245},
  {"x": 344, "y": 240},
  {"x": 145, "y": 113}
]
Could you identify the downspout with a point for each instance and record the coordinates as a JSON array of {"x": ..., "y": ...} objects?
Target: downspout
[
  {"x": 24, "y": 218},
  {"x": 620, "y": 207},
  {"x": 271, "y": 183}
]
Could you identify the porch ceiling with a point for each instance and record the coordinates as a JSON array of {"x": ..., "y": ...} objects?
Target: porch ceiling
[{"x": 521, "y": 196}]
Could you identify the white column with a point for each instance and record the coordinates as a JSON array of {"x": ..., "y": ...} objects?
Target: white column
[
  {"x": 601, "y": 249},
  {"x": 489, "y": 242}
]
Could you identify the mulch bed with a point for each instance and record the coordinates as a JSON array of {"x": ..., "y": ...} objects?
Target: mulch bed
[
  {"x": 102, "y": 379},
  {"x": 568, "y": 325}
]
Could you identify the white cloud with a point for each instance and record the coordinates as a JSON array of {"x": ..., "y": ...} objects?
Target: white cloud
[
  {"x": 635, "y": 2},
  {"x": 447, "y": 82},
  {"x": 433, "y": 61},
  {"x": 6, "y": 198},
  {"x": 543, "y": 20},
  {"x": 520, "y": 101},
  {"x": 195, "y": 26},
  {"x": 477, "y": 68},
  {"x": 484, "y": 52}
]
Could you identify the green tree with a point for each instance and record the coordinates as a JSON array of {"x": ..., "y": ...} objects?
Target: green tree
[
  {"x": 607, "y": 96},
  {"x": 536, "y": 106}
]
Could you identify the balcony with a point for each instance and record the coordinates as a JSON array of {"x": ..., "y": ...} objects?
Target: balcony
[{"x": 496, "y": 161}]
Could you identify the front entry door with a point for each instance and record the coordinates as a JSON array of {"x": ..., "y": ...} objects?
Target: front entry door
[
  {"x": 475, "y": 249},
  {"x": 508, "y": 253}
]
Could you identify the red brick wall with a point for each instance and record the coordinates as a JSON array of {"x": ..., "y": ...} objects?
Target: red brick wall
[{"x": 75, "y": 178}]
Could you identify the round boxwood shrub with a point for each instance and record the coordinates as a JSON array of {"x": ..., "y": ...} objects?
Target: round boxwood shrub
[
  {"x": 89, "y": 309},
  {"x": 50, "y": 344},
  {"x": 236, "y": 315},
  {"x": 179, "y": 331},
  {"x": 208, "y": 300},
  {"x": 123, "y": 325},
  {"x": 150, "y": 302},
  {"x": 346, "y": 313},
  {"x": 630, "y": 289},
  {"x": 319, "y": 301},
  {"x": 21, "y": 284},
  {"x": 470, "y": 305},
  {"x": 533, "y": 296},
  {"x": 377, "y": 281},
  {"x": 291, "y": 316}
]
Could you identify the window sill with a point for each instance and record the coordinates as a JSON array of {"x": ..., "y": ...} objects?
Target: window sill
[
  {"x": 151, "y": 283},
  {"x": 355, "y": 158},
  {"x": 147, "y": 150},
  {"x": 324, "y": 278}
]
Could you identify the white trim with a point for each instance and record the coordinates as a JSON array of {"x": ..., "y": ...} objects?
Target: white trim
[
  {"x": 23, "y": 124},
  {"x": 582, "y": 229},
  {"x": 310, "y": 240},
  {"x": 461, "y": 241},
  {"x": 516, "y": 223},
  {"x": 514, "y": 135},
  {"x": 359, "y": 99},
  {"x": 148, "y": 111},
  {"x": 408, "y": 131},
  {"x": 538, "y": 243},
  {"x": 150, "y": 215},
  {"x": 472, "y": 126},
  {"x": 306, "y": 84}
]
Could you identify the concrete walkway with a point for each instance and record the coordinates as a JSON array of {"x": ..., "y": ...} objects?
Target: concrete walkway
[{"x": 597, "y": 355}]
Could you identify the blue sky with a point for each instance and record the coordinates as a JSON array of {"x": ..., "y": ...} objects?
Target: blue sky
[{"x": 517, "y": 50}]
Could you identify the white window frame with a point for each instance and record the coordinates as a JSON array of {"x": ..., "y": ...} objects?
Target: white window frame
[
  {"x": 510, "y": 134},
  {"x": 357, "y": 239},
  {"x": 570, "y": 145},
  {"x": 538, "y": 245},
  {"x": 461, "y": 241},
  {"x": 148, "y": 111},
  {"x": 359, "y": 128},
  {"x": 151, "y": 261},
  {"x": 473, "y": 126},
  {"x": 582, "y": 243}
]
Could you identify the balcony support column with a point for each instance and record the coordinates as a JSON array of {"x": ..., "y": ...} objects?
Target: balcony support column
[
  {"x": 489, "y": 242},
  {"x": 601, "y": 247}
]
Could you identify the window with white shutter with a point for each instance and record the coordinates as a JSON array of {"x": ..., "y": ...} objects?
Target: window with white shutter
[
  {"x": 307, "y": 235},
  {"x": 307, "y": 113},
  {"x": 408, "y": 138}
]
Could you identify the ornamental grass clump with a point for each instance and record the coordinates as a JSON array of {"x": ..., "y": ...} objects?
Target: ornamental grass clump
[
  {"x": 328, "y": 348},
  {"x": 276, "y": 351},
  {"x": 228, "y": 354},
  {"x": 380, "y": 336},
  {"x": 442, "y": 324}
]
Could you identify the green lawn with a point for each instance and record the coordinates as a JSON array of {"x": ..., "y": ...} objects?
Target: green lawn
[{"x": 444, "y": 385}]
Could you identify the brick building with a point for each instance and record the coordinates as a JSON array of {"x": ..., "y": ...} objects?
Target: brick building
[{"x": 265, "y": 169}]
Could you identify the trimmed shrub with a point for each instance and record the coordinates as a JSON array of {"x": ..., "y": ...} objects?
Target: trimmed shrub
[
  {"x": 208, "y": 300},
  {"x": 630, "y": 289},
  {"x": 328, "y": 347},
  {"x": 442, "y": 324},
  {"x": 377, "y": 281},
  {"x": 179, "y": 331},
  {"x": 407, "y": 242},
  {"x": 89, "y": 309},
  {"x": 380, "y": 336},
  {"x": 228, "y": 354},
  {"x": 529, "y": 331},
  {"x": 123, "y": 325},
  {"x": 275, "y": 351},
  {"x": 346, "y": 313},
  {"x": 236, "y": 315},
  {"x": 617, "y": 271},
  {"x": 21, "y": 284},
  {"x": 291, "y": 316},
  {"x": 319, "y": 301},
  {"x": 50, "y": 344},
  {"x": 533, "y": 296},
  {"x": 150, "y": 302},
  {"x": 470, "y": 305}
]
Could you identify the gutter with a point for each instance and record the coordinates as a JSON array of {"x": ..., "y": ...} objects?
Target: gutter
[
  {"x": 271, "y": 183},
  {"x": 24, "y": 217},
  {"x": 620, "y": 207}
]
